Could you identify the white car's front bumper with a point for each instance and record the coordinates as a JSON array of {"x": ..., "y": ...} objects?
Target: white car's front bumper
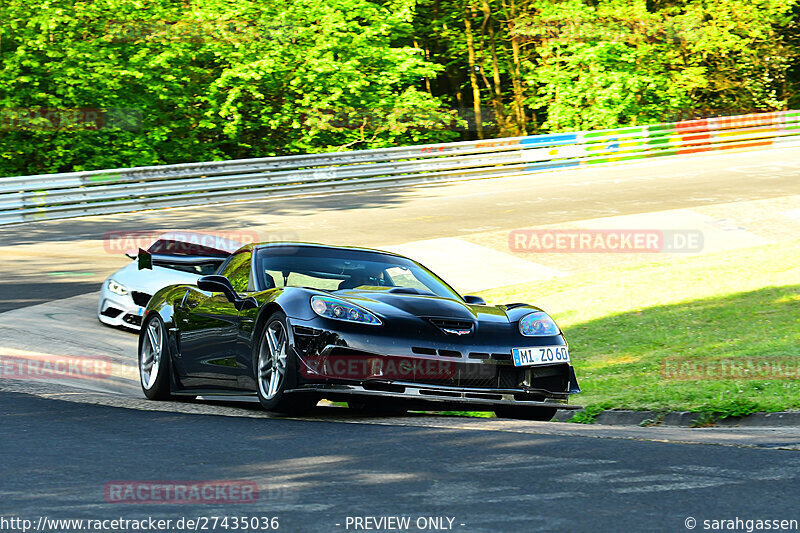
[{"x": 123, "y": 311}]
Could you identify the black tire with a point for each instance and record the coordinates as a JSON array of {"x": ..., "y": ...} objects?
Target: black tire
[
  {"x": 155, "y": 383},
  {"x": 277, "y": 400},
  {"x": 542, "y": 414},
  {"x": 377, "y": 407}
]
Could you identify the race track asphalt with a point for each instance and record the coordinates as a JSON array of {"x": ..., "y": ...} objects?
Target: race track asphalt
[{"x": 313, "y": 475}]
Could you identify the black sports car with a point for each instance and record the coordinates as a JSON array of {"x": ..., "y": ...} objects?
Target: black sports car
[{"x": 295, "y": 322}]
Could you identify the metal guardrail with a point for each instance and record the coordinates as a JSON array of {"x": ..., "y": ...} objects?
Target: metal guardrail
[{"x": 56, "y": 196}]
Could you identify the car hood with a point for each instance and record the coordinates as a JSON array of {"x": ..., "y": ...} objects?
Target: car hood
[
  {"x": 385, "y": 303},
  {"x": 150, "y": 281}
]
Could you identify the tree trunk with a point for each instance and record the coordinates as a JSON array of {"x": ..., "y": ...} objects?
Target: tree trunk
[
  {"x": 516, "y": 76},
  {"x": 473, "y": 79},
  {"x": 427, "y": 56},
  {"x": 497, "y": 100}
]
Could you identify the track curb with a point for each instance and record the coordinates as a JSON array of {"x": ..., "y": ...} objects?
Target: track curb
[{"x": 623, "y": 417}]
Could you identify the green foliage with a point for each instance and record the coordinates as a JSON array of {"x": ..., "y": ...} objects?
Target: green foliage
[
  {"x": 705, "y": 420},
  {"x": 610, "y": 65},
  {"x": 467, "y": 414},
  {"x": 588, "y": 415},
  {"x": 219, "y": 79},
  {"x": 620, "y": 62},
  {"x": 732, "y": 407},
  {"x": 209, "y": 81}
]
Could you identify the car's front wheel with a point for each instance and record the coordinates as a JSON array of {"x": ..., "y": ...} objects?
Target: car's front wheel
[
  {"x": 154, "y": 359},
  {"x": 275, "y": 367},
  {"x": 543, "y": 414}
]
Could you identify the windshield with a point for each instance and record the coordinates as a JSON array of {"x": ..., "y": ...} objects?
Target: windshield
[{"x": 332, "y": 269}]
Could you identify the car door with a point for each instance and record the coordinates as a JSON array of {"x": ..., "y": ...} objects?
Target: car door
[{"x": 209, "y": 325}]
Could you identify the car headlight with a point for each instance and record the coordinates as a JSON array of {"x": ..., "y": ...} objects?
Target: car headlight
[
  {"x": 117, "y": 288},
  {"x": 341, "y": 310},
  {"x": 538, "y": 324}
]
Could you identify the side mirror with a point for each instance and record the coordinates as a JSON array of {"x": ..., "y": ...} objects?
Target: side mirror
[
  {"x": 216, "y": 283},
  {"x": 145, "y": 260},
  {"x": 474, "y": 300}
]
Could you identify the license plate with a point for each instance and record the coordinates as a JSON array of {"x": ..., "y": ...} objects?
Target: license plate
[{"x": 540, "y": 355}]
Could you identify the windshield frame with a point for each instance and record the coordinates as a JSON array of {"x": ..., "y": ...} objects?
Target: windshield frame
[{"x": 358, "y": 254}]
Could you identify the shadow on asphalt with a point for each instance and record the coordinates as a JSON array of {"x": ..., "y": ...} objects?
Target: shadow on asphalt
[
  {"x": 322, "y": 411},
  {"x": 24, "y": 294},
  {"x": 200, "y": 218}
]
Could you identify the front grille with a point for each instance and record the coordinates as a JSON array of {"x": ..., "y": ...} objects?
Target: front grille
[
  {"x": 477, "y": 376},
  {"x": 509, "y": 377},
  {"x": 457, "y": 325},
  {"x": 554, "y": 378},
  {"x": 140, "y": 298},
  {"x": 419, "y": 350}
]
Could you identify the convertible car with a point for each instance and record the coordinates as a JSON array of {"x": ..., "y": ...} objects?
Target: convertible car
[{"x": 294, "y": 323}]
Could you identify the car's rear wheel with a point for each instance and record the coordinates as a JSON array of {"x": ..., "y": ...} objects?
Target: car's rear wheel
[
  {"x": 154, "y": 359},
  {"x": 543, "y": 414},
  {"x": 275, "y": 365}
]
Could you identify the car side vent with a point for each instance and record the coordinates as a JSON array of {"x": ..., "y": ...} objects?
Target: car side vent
[
  {"x": 449, "y": 353},
  {"x": 304, "y": 330},
  {"x": 423, "y": 351},
  {"x": 111, "y": 312}
]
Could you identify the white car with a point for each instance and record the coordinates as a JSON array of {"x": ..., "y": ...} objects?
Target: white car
[{"x": 125, "y": 293}]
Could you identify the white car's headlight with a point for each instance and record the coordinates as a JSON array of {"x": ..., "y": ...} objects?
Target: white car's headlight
[
  {"x": 538, "y": 324},
  {"x": 341, "y": 310},
  {"x": 117, "y": 288}
]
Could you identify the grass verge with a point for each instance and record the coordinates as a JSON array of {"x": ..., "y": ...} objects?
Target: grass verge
[{"x": 736, "y": 310}]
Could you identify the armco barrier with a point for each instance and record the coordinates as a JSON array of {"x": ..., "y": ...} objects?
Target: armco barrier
[{"x": 55, "y": 196}]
